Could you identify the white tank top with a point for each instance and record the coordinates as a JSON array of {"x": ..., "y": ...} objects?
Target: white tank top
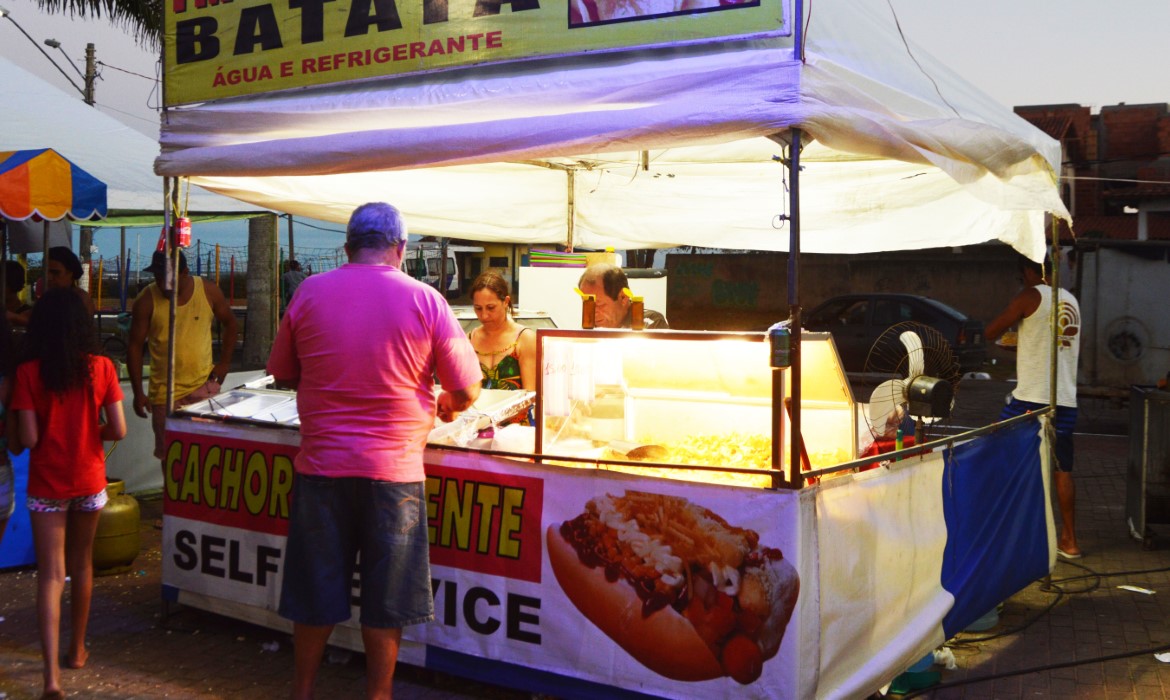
[{"x": 1034, "y": 351}]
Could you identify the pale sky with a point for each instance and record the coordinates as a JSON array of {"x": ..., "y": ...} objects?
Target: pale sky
[{"x": 1021, "y": 52}]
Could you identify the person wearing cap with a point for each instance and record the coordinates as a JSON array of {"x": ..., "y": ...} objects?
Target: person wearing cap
[
  {"x": 366, "y": 399},
  {"x": 196, "y": 376},
  {"x": 1031, "y": 311},
  {"x": 613, "y": 308},
  {"x": 64, "y": 272}
]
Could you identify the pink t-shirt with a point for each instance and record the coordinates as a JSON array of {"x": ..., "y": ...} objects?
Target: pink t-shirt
[{"x": 365, "y": 342}]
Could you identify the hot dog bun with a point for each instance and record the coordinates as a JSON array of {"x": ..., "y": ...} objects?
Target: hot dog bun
[
  {"x": 683, "y": 591},
  {"x": 665, "y": 642}
]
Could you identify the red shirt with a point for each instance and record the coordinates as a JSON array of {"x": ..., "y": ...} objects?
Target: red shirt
[{"x": 69, "y": 459}]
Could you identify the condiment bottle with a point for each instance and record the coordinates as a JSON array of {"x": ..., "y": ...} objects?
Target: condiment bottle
[
  {"x": 588, "y": 309},
  {"x": 637, "y": 310}
]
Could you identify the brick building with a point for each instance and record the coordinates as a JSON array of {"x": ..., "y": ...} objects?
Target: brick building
[{"x": 1116, "y": 167}]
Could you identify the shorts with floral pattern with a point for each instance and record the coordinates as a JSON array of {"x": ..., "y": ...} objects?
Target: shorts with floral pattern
[{"x": 85, "y": 504}]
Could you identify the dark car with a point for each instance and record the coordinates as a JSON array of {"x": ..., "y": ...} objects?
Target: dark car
[{"x": 856, "y": 321}]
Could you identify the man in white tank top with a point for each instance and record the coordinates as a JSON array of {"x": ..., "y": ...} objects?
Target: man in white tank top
[{"x": 1031, "y": 309}]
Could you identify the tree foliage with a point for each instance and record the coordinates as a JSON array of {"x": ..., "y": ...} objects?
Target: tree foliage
[{"x": 143, "y": 18}]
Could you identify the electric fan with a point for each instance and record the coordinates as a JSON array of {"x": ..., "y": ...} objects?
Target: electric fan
[{"x": 926, "y": 377}]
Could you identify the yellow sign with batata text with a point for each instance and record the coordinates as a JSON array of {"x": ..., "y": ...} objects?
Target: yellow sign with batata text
[{"x": 226, "y": 48}]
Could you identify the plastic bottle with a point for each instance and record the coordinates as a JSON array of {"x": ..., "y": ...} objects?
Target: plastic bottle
[{"x": 588, "y": 311}]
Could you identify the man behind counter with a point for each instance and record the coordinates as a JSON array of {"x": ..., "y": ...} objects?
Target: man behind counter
[
  {"x": 197, "y": 375},
  {"x": 1031, "y": 309},
  {"x": 613, "y": 308},
  {"x": 364, "y": 381}
]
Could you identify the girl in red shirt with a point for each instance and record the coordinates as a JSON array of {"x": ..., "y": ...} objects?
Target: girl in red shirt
[
  {"x": 7, "y": 478},
  {"x": 57, "y": 398}
]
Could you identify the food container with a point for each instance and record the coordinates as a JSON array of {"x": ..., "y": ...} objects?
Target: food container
[{"x": 493, "y": 408}]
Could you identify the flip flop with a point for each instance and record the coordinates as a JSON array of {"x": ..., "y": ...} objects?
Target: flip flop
[{"x": 1068, "y": 555}]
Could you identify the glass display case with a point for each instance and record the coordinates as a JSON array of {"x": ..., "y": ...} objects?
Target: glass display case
[
  {"x": 254, "y": 405},
  {"x": 673, "y": 399},
  {"x": 273, "y": 407}
]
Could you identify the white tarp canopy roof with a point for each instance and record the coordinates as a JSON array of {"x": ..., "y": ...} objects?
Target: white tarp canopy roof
[
  {"x": 907, "y": 154},
  {"x": 35, "y": 114}
]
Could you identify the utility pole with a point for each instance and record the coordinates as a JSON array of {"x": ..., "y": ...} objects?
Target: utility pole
[
  {"x": 85, "y": 237},
  {"x": 90, "y": 73},
  {"x": 291, "y": 249}
]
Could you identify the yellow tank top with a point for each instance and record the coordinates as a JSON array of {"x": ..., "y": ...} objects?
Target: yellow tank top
[{"x": 192, "y": 343}]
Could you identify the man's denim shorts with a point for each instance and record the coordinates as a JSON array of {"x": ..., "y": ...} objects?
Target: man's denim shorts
[
  {"x": 1065, "y": 422},
  {"x": 378, "y": 525}
]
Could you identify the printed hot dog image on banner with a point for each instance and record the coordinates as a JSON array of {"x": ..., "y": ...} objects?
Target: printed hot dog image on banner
[{"x": 686, "y": 593}]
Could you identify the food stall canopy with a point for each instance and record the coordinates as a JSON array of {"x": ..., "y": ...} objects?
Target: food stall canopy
[
  {"x": 44, "y": 184},
  {"x": 906, "y": 155},
  {"x": 35, "y": 113}
]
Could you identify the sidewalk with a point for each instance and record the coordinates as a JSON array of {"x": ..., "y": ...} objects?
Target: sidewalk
[
  {"x": 194, "y": 655},
  {"x": 202, "y": 655}
]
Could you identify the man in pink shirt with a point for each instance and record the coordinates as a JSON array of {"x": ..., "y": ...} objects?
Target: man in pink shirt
[{"x": 362, "y": 345}]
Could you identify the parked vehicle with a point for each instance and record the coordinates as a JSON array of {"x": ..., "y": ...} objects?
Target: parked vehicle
[
  {"x": 424, "y": 261},
  {"x": 856, "y": 321},
  {"x": 532, "y": 319}
]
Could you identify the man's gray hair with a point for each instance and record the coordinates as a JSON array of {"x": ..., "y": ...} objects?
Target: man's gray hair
[{"x": 375, "y": 225}]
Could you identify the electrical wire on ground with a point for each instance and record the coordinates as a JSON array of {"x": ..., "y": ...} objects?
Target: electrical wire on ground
[{"x": 1047, "y": 585}]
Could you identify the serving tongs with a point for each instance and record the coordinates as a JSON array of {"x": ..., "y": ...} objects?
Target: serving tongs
[{"x": 639, "y": 452}]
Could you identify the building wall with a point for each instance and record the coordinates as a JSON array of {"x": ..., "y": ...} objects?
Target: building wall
[
  {"x": 1130, "y": 132},
  {"x": 748, "y": 291},
  {"x": 1125, "y": 331},
  {"x": 1109, "y": 154}
]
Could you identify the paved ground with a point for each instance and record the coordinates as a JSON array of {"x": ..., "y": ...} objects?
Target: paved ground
[{"x": 1054, "y": 639}]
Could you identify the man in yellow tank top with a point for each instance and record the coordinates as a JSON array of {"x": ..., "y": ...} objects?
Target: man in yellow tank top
[{"x": 196, "y": 377}]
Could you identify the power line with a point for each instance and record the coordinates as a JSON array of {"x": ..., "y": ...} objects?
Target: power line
[
  {"x": 6, "y": 14},
  {"x": 301, "y": 222},
  {"x": 124, "y": 112},
  {"x": 129, "y": 72},
  {"x": 1115, "y": 179}
]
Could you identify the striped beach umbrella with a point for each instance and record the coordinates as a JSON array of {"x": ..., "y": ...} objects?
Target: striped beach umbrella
[{"x": 43, "y": 183}]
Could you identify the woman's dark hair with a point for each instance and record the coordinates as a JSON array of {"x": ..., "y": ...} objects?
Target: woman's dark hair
[
  {"x": 60, "y": 334},
  {"x": 14, "y": 276},
  {"x": 7, "y": 348},
  {"x": 67, "y": 259},
  {"x": 494, "y": 282},
  {"x": 1041, "y": 269}
]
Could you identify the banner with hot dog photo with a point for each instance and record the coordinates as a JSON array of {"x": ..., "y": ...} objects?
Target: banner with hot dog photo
[
  {"x": 608, "y": 581},
  {"x": 669, "y": 587}
]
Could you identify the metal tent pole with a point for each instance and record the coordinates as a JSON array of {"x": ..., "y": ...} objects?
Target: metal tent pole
[{"x": 795, "y": 441}]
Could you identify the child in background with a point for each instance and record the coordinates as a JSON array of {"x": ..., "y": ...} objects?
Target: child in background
[
  {"x": 57, "y": 398},
  {"x": 7, "y": 480}
]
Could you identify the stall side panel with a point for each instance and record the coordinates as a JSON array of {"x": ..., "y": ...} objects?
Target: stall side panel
[{"x": 719, "y": 611}]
